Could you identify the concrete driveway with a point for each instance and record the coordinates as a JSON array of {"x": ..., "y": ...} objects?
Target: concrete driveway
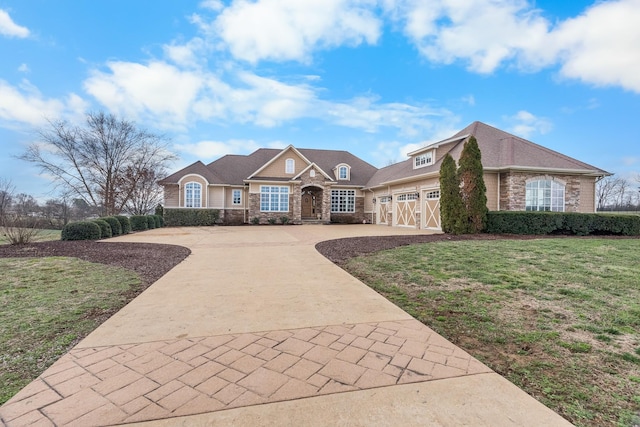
[{"x": 255, "y": 327}]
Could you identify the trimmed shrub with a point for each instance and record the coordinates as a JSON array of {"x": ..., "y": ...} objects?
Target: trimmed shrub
[
  {"x": 571, "y": 223},
  {"x": 139, "y": 223},
  {"x": 105, "y": 228},
  {"x": 255, "y": 220},
  {"x": 159, "y": 221},
  {"x": 190, "y": 217},
  {"x": 81, "y": 230},
  {"x": 125, "y": 223},
  {"x": 116, "y": 228},
  {"x": 151, "y": 222},
  {"x": 284, "y": 220}
]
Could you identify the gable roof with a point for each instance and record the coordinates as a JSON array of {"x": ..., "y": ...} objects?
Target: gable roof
[
  {"x": 234, "y": 169},
  {"x": 500, "y": 150},
  {"x": 196, "y": 168}
]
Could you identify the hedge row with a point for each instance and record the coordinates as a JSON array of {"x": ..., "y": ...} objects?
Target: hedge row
[
  {"x": 191, "y": 217},
  {"x": 581, "y": 224},
  {"x": 103, "y": 228}
]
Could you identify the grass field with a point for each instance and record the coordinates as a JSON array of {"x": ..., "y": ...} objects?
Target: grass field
[
  {"x": 47, "y": 304},
  {"x": 560, "y": 318},
  {"x": 42, "y": 235}
]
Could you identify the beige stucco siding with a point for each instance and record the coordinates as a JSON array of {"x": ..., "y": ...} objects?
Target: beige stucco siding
[
  {"x": 254, "y": 187},
  {"x": 587, "y": 195},
  {"x": 491, "y": 182},
  {"x": 171, "y": 196},
  {"x": 229, "y": 198},
  {"x": 277, "y": 168},
  {"x": 216, "y": 198}
]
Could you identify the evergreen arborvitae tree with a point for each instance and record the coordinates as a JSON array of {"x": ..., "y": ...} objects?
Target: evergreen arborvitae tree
[
  {"x": 473, "y": 189},
  {"x": 453, "y": 217}
]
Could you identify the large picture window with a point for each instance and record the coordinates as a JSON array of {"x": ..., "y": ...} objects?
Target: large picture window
[
  {"x": 343, "y": 201},
  {"x": 274, "y": 199},
  {"x": 193, "y": 195},
  {"x": 544, "y": 195}
]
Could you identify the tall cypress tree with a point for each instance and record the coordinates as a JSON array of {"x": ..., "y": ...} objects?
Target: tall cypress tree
[
  {"x": 473, "y": 189},
  {"x": 452, "y": 214}
]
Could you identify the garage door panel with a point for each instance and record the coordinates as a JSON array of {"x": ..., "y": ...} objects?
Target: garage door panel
[
  {"x": 406, "y": 210},
  {"x": 431, "y": 209}
]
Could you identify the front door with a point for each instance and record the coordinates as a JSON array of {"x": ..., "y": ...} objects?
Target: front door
[{"x": 308, "y": 202}]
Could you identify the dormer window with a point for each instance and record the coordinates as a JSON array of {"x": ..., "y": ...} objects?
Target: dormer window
[
  {"x": 290, "y": 166},
  {"x": 422, "y": 160},
  {"x": 343, "y": 172}
]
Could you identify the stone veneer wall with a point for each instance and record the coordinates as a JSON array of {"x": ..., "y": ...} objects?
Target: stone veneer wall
[
  {"x": 513, "y": 190},
  {"x": 254, "y": 210},
  {"x": 234, "y": 216},
  {"x": 356, "y": 217}
]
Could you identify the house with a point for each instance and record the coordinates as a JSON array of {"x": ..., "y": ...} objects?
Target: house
[{"x": 336, "y": 186}]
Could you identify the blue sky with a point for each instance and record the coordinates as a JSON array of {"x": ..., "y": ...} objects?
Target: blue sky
[{"x": 375, "y": 77}]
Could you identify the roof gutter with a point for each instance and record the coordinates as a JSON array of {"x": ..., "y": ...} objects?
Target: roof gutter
[
  {"x": 438, "y": 144},
  {"x": 586, "y": 172}
]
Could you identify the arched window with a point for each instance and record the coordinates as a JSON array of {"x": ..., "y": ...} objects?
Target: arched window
[
  {"x": 343, "y": 172},
  {"x": 193, "y": 195},
  {"x": 544, "y": 195}
]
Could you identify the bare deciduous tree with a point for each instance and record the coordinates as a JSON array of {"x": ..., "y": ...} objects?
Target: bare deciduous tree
[
  {"x": 6, "y": 197},
  {"x": 147, "y": 194},
  {"x": 607, "y": 190},
  {"x": 100, "y": 162}
]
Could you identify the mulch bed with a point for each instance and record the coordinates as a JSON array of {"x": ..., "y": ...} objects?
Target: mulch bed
[
  {"x": 341, "y": 250},
  {"x": 149, "y": 260}
]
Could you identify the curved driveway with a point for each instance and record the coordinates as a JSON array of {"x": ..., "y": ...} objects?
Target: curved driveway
[{"x": 255, "y": 327}]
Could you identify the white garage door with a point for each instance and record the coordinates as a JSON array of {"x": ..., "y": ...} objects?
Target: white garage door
[
  {"x": 431, "y": 210},
  {"x": 383, "y": 208},
  {"x": 405, "y": 212}
]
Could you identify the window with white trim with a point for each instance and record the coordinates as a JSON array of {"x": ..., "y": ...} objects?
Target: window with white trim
[
  {"x": 423, "y": 160},
  {"x": 408, "y": 196},
  {"x": 237, "y": 197},
  {"x": 432, "y": 195},
  {"x": 343, "y": 172},
  {"x": 343, "y": 201},
  {"x": 193, "y": 195},
  {"x": 274, "y": 199},
  {"x": 290, "y": 166},
  {"x": 544, "y": 195}
]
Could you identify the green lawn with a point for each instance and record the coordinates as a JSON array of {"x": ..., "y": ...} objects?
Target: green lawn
[
  {"x": 46, "y": 306},
  {"x": 558, "y": 317}
]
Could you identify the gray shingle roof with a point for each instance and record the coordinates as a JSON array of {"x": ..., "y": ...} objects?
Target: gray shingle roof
[{"x": 499, "y": 149}]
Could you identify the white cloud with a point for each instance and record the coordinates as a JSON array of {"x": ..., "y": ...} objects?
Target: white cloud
[
  {"x": 598, "y": 47},
  {"x": 283, "y": 30},
  {"x": 484, "y": 33},
  {"x": 172, "y": 97},
  {"x": 26, "y": 105},
  {"x": 214, "y": 5},
  {"x": 601, "y": 45},
  {"x": 525, "y": 124},
  {"x": 11, "y": 29},
  {"x": 159, "y": 89},
  {"x": 24, "y": 68}
]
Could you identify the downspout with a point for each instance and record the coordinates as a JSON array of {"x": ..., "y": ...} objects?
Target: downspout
[
  {"x": 498, "y": 191},
  {"x": 373, "y": 210},
  {"x": 244, "y": 208}
]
